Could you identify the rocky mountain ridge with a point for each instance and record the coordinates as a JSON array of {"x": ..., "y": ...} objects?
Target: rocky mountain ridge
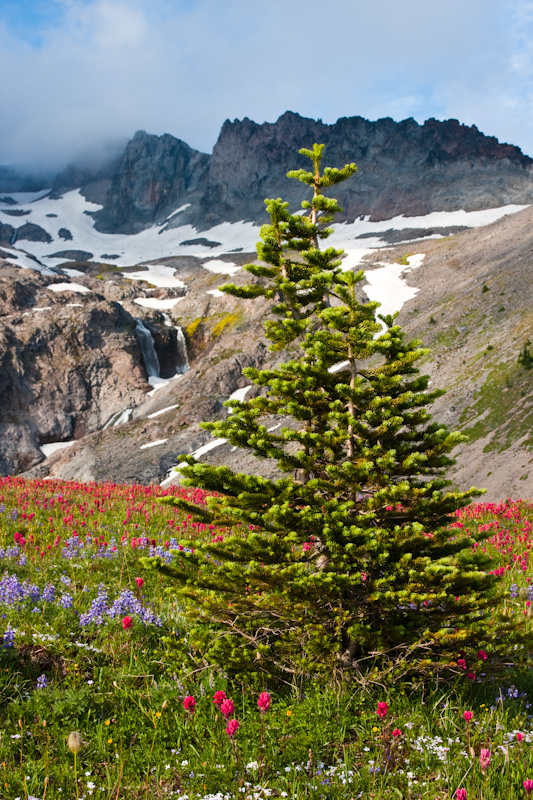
[{"x": 403, "y": 168}]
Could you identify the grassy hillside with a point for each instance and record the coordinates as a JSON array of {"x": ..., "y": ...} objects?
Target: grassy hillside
[{"x": 474, "y": 311}]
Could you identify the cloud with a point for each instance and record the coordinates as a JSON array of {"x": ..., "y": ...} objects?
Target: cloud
[{"x": 105, "y": 68}]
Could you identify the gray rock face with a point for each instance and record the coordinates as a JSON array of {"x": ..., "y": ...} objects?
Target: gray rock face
[
  {"x": 403, "y": 168},
  {"x": 157, "y": 174},
  {"x": 64, "y": 369},
  {"x": 72, "y": 255},
  {"x": 32, "y": 233}
]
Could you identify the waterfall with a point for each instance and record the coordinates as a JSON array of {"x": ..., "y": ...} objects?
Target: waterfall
[
  {"x": 146, "y": 343},
  {"x": 183, "y": 359}
]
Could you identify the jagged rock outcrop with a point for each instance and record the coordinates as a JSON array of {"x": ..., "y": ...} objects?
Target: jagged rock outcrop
[
  {"x": 67, "y": 364},
  {"x": 403, "y": 168},
  {"x": 157, "y": 175}
]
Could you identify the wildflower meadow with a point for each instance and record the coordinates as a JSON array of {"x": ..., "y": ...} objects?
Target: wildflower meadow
[{"x": 102, "y": 694}]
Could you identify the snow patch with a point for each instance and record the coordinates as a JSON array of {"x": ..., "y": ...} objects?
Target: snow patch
[
  {"x": 48, "y": 449},
  {"x": 239, "y": 394},
  {"x": 339, "y": 366},
  {"x": 201, "y": 451},
  {"x": 153, "y": 444},
  {"x": 161, "y": 411},
  {"x": 73, "y": 273},
  {"x": 387, "y": 286},
  {"x": 215, "y": 292},
  {"x": 160, "y": 305},
  {"x": 158, "y": 383},
  {"x": 119, "y": 418},
  {"x": 221, "y": 267},
  {"x": 157, "y": 275},
  {"x": 345, "y": 233},
  {"x": 18, "y": 258},
  {"x": 68, "y": 287}
]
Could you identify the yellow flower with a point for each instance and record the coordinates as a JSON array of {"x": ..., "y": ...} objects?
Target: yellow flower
[
  {"x": 107, "y": 722},
  {"x": 289, "y": 712},
  {"x": 158, "y": 713},
  {"x": 110, "y": 741},
  {"x": 375, "y": 729}
]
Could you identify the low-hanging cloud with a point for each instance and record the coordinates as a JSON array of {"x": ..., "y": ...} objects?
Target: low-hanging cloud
[{"x": 106, "y": 68}]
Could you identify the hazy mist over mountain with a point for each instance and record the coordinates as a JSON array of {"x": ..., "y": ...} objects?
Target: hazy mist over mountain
[{"x": 84, "y": 75}]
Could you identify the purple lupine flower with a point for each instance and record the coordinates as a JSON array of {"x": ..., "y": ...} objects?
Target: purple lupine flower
[
  {"x": 48, "y": 593},
  {"x": 32, "y": 591},
  {"x": 9, "y": 637},
  {"x": 11, "y": 589},
  {"x": 66, "y": 600},
  {"x": 97, "y": 610},
  {"x": 42, "y": 683}
]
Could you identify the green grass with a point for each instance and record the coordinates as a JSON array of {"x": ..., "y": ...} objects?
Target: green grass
[
  {"x": 503, "y": 405},
  {"x": 120, "y": 678}
]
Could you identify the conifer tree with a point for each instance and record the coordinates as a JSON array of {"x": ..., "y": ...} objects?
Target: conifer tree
[{"x": 348, "y": 554}]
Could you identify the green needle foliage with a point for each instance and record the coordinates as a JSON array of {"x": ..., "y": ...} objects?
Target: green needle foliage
[{"x": 345, "y": 560}]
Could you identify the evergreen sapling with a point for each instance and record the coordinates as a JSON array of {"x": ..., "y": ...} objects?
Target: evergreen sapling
[{"x": 347, "y": 558}]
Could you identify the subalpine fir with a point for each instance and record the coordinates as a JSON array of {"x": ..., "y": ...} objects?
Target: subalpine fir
[{"x": 347, "y": 558}]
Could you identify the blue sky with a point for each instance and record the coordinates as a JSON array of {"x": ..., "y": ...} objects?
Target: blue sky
[{"x": 79, "y": 74}]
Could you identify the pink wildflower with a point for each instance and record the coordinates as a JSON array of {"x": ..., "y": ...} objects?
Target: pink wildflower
[
  {"x": 227, "y": 707},
  {"x": 468, "y": 715},
  {"x": 127, "y": 622},
  {"x": 471, "y": 676},
  {"x": 461, "y": 663},
  {"x": 139, "y": 582},
  {"x": 189, "y": 704},
  {"x": 219, "y": 698},
  {"x": 481, "y": 655},
  {"x": 382, "y": 710},
  {"x": 528, "y": 786},
  {"x": 264, "y": 701},
  {"x": 461, "y": 794},
  {"x": 396, "y": 732},
  {"x": 484, "y": 759},
  {"x": 232, "y": 726},
  {"x": 519, "y": 736}
]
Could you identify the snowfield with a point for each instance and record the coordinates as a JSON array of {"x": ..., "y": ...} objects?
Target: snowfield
[{"x": 74, "y": 212}]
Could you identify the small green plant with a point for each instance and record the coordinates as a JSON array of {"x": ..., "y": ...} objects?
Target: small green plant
[
  {"x": 525, "y": 358},
  {"x": 485, "y": 288}
]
